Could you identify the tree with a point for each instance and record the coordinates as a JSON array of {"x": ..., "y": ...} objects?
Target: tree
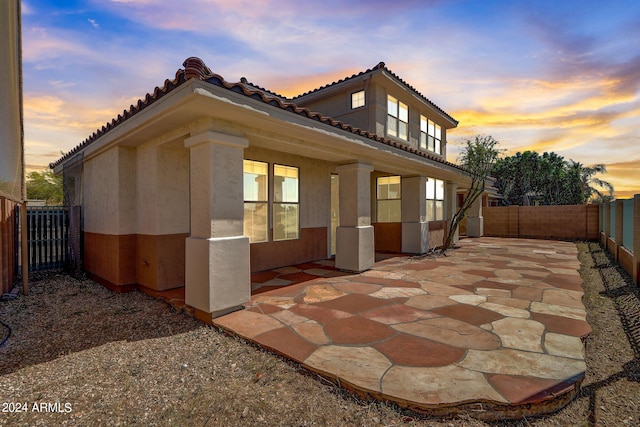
[
  {"x": 477, "y": 159},
  {"x": 45, "y": 186},
  {"x": 528, "y": 178},
  {"x": 588, "y": 182}
]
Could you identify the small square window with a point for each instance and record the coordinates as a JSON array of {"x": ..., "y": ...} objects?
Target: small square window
[{"x": 357, "y": 99}]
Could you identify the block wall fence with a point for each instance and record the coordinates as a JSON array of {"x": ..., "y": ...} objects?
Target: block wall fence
[
  {"x": 620, "y": 233},
  {"x": 616, "y": 225},
  {"x": 573, "y": 222}
]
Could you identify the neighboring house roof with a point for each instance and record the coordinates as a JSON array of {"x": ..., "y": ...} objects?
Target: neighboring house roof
[
  {"x": 195, "y": 68},
  {"x": 383, "y": 67}
]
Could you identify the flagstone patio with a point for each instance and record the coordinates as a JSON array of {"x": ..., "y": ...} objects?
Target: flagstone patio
[{"x": 494, "y": 329}]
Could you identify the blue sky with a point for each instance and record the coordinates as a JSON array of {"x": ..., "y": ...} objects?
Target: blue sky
[{"x": 560, "y": 76}]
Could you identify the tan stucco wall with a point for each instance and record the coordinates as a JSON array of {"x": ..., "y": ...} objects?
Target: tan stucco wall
[
  {"x": 162, "y": 190},
  {"x": 109, "y": 192},
  {"x": 338, "y": 106},
  {"x": 136, "y": 215}
]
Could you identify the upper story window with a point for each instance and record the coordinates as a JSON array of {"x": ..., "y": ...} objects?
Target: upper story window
[
  {"x": 430, "y": 135},
  {"x": 389, "y": 207},
  {"x": 397, "y": 118},
  {"x": 434, "y": 137},
  {"x": 357, "y": 99},
  {"x": 423, "y": 132}
]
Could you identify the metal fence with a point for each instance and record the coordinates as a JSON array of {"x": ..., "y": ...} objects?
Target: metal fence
[{"x": 48, "y": 232}]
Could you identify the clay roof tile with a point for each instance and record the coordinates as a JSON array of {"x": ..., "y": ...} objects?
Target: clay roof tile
[{"x": 195, "y": 68}]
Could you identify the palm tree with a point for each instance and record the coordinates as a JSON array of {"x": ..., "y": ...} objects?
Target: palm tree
[{"x": 589, "y": 183}]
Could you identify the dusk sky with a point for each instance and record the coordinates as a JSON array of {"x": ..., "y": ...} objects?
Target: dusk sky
[{"x": 560, "y": 76}]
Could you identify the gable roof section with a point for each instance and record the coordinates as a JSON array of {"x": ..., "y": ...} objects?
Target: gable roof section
[
  {"x": 381, "y": 66},
  {"x": 195, "y": 68}
]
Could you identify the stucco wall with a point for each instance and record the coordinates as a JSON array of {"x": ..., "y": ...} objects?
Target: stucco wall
[
  {"x": 162, "y": 190},
  {"x": 109, "y": 192}
]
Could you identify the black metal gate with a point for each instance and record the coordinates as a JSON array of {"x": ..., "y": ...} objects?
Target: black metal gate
[{"x": 48, "y": 236}]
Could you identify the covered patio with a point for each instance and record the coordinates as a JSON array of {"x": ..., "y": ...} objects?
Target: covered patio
[{"x": 494, "y": 329}]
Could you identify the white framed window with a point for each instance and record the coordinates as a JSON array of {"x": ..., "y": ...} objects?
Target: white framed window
[
  {"x": 397, "y": 118},
  {"x": 423, "y": 132},
  {"x": 357, "y": 99},
  {"x": 256, "y": 201},
  {"x": 435, "y": 137},
  {"x": 435, "y": 199},
  {"x": 389, "y": 202},
  {"x": 286, "y": 212}
]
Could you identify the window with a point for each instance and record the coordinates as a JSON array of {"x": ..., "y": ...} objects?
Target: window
[
  {"x": 388, "y": 198},
  {"x": 423, "y": 132},
  {"x": 285, "y": 203},
  {"x": 256, "y": 201},
  {"x": 435, "y": 199},
  {"x": 357, "y": 99},
  {"x": 434, "y": 136},
  {"x": 397, "y": 118},
  {"x": 430, "y": 135}
]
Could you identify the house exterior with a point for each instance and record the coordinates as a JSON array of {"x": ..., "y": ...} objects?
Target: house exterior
[{"x": 205, "y": 181}]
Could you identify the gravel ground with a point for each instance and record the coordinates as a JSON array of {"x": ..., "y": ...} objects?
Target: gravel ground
[{"x": 81, "y": 355}]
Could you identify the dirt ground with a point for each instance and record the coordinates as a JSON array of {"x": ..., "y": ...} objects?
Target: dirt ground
[{"x": 81, "y": 355}]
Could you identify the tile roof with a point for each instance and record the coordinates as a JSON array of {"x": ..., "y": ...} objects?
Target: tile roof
[
  {"x": 381, "y": 66},
  {"x": 195, "y": 68}
]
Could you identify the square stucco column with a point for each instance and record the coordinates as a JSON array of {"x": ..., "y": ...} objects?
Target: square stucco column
[
  {"x": 451, "y": 202},
  {"x": 475, "y": 221},
  {"x": 415, "y": 229},
  {"x": 217, "y": 270},
  {"x": 355, "y": 249}
]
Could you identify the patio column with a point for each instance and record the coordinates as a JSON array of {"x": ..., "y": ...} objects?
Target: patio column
[
  {"x": 415, "y": 229},
  {"x": 217, "y": 271},
  {"x": 354, "y": 237},
  {"x": 451, "y": 202},
  {"x": 475, "y": 221}
]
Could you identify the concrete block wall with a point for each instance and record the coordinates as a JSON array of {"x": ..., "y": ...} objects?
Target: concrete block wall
[{"x": 573, "y": 222}]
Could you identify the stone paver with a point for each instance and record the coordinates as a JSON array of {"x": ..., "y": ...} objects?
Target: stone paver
[{"x": 493, "y": 329}]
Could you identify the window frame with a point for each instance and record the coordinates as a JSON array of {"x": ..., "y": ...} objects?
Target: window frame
[
  {"x": 436, "y": 135},
  {"x": 270, "y": 203},
  {"x": 395, "y": 119},
  {"x": 275, "y": 202},
  {"x": 380, "y": 199},
  {"x": 423, "y": 132},
  {"x": 257, "y": 201},
  {"x": 361, "y": 101},
  {"x": 431, "y": 209}
]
